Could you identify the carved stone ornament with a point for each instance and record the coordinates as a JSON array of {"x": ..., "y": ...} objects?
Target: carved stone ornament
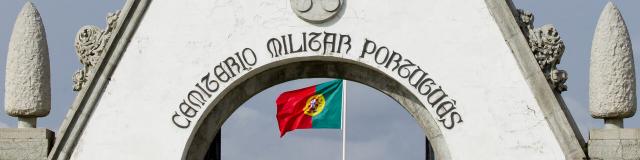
[
  {"x": 316, "y": 11},
  {"x": 612, "y": 78},
  {"x": 27, "y": 81},
  {"x": 547, "y": 48},
  {"x": 90, "y": 44}
]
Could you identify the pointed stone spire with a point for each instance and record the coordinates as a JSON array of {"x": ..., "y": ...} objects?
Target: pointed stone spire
[
  {"x": 27, "y": 84},
  {"x": 612, "y": 80}
]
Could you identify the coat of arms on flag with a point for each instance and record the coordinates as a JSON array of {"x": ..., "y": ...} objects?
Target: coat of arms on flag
[{"x": 318, "y": 106}]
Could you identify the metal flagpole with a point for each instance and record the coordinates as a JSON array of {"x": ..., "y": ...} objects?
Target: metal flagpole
[{"x": 344, "y": 118}]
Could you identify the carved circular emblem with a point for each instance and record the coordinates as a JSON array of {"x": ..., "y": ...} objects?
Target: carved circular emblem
[
  {"x": 316, "y": 11},
  {"x": 315, "y": 105}
]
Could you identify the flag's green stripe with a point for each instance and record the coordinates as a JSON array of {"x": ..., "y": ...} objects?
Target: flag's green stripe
[{"x": 330, "y": 117}]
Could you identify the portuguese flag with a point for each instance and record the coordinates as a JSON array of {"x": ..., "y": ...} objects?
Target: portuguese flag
[{"x": 318, "y": 106}]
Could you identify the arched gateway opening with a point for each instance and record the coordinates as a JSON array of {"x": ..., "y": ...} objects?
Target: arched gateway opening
[
  {"x": 310, "y": 67},
  {"x": 377, "y": 129}
]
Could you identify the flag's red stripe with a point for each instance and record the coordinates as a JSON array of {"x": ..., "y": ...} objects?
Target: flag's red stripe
[{"x": 290, "y": 109}]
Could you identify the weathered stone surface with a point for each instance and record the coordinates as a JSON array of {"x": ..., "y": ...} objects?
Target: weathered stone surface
[
  {"x": 28, "y": 91},
  {"x": 612, "y": 85},
  {"x": 614, "y": 143},
  {"x": 547, "y": 48},
  {"x": 614, "y": 134},
  {"x": 630, "y": 149},
  {"x": 25, "y": 143},
  {"x": 90, "y": 44},
  {"x": 605, "y": 149}
]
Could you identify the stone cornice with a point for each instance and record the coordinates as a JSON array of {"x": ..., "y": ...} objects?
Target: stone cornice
[
  {"x": 553, "y": 107},
  {"x": 89, "y": 94}
]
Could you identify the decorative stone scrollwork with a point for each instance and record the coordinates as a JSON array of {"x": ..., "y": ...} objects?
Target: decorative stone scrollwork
[
  {"x": 547, "y": 48},
  {"x": 90, "y": 43}
]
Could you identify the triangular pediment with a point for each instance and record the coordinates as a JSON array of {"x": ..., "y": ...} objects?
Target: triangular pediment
[{"x": 474, "y": 53}]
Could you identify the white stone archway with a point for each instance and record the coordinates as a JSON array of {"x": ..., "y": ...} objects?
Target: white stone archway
[
  {"x": 314, "y": 67},
  {"x": 154, "y": 96}
]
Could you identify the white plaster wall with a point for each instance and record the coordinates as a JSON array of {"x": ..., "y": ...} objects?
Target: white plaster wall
[{"x": 457, "y": 42}]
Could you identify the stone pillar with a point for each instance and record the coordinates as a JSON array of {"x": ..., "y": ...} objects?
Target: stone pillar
[
  {"x": 621, "y": 143},
  {"x": 27, "y": 89},
  {"x": 27, "y": 86},
  {"x": 25, "y": 143},
  {"x": 612, "y": 80},
  {"x": 612, "y": 89}
]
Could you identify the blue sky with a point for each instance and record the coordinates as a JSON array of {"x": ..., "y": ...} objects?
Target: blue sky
[{"x": 390, "y": 135}]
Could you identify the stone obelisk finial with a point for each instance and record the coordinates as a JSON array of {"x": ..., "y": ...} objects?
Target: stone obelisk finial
[
  {"x": 612, "y": 80},
  {"x": 27, "y": 86}
]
